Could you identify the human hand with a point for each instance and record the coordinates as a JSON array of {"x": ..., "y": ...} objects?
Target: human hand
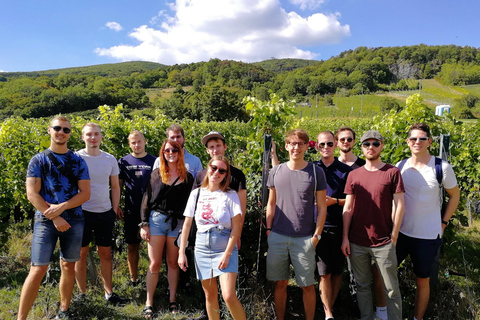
[
  {"x": 346, "y": 247},
  {"x": 119, "y": 213},
  {"x": 61, "y": 224},
  {"x": 54, "y": 210},
  {"x": 224, "y": 261},
  {"x": 145, "y": 233}
]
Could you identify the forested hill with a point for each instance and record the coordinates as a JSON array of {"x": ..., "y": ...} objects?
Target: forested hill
[
  {"x": 108, "y": 69},
  {"x": 213, "y": 90}
]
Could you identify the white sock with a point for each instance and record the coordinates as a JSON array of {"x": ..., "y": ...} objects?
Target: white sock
[
  {"x": 382, "y": 313},
  {"x": 415, "y": 318}
]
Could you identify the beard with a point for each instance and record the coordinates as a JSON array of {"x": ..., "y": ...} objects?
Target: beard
[
  {"x": 345, "y": 149},
  {"x": 372, "y": 157}
]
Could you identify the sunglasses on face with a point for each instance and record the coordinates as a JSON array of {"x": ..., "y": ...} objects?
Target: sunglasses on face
[
  {"x": 367, "y": 144},
  {"x": 215, "y": 169},
  {"x": 349, "y": 139},
  {"x": 322, "y": 144},
  {"x": 65, "y": 129},
  {"x": 415, "y": 139},
  {"x": 297, "y": 144},
  {"x": 173, "y": 150}
]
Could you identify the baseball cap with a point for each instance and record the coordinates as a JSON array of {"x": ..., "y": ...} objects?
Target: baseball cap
[
  {"x": 211, "y": 135},
  {"x": 371, "y": 134}
]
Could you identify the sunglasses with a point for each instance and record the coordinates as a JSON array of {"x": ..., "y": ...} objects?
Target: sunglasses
[
  {"x": 174, "y": 150},
  {"x": 415, "y": 139},
  {"x": 322, "y": 144},
  {"x": 297, "y": 144},
  {"x": 215, "y": 169},
  {"x": 65, "y": 129},
  {"x": 349, "y": 139},
  {"x": 367, "y": 144}
]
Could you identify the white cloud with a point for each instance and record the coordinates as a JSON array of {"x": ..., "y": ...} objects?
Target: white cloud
[
  {"x": 247, "y": 30},
  {"x": 112, "y": 25},
  {"x": 307, "y": 4}
]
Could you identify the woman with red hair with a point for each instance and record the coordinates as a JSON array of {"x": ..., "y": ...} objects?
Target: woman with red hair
[{"x": 162, "y": 210}]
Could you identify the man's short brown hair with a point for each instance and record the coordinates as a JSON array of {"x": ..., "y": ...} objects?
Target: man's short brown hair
[{"x": 299, "y": 133}]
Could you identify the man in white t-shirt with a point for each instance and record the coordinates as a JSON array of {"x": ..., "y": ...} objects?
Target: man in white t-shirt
[
  {"x": 99, "y": 212},
  {"x": 423, "y": 224}
]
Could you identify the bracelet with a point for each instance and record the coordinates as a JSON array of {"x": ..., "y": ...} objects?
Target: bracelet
[
  {"x": 445, "y": 222},
  {"x": 143, "y": 224},
  {"x": 268, "y": 229}
]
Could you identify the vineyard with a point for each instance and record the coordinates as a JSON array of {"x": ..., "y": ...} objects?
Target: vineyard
[{"x": 21, "y": 138}]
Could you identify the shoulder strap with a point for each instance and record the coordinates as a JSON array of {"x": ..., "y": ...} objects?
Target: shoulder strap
[
  {"x": 439, "y": 171},
  {"x": 315, "y": 185},
  {"x": 60, "y": 167},
  {"x": 402, "y": 164}
]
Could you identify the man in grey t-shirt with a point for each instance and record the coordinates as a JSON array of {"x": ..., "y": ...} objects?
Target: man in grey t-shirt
[{"x": 291, "y": 228}]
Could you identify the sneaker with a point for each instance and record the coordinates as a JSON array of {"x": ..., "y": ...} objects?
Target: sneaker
[
  {"x": 134, "y": 283},
  {"x": 64, "y": 315},
  {"x": 116, "y": 300}
]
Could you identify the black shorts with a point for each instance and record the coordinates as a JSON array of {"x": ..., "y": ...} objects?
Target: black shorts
[
  {"x": 330, "y": 258},
  {"x": 130, "y": 228},
  {"x": 421, "y": 251},
  {"x": 98, "y": 225}
]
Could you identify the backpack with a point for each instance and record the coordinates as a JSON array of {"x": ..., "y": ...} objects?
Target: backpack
[{"x": 439, "y": 176}]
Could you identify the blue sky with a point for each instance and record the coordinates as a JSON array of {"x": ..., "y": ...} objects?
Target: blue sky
[{"x": 39, "y": 35}]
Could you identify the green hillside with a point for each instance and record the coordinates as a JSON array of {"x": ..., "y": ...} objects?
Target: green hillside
[{"x": 108, "y": 69}]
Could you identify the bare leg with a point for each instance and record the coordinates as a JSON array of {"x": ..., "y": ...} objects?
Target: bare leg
[
  {"x": 155, "y": 251},
  {"x": 211, "y": 296},
  {"x": 132, "y": 259},
  {"x": 67, "y": 282},
  {"x": 173, "y": 270},
  {"x": 30, "y": 290},
  {"x": 422, "y": 296},
  {"x": 280, "y": 298},
  {"x": 106, "y": 267},
  {"x": 309, "y": 301},
  {"x": 81, "y": 270},
  {"x": 227, "y": 283}
]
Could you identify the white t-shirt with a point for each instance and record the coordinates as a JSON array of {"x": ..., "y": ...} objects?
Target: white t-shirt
[
  {"x": 422, "y": 199},
  {"x": 100, "y": 169},
  {"x": 214, "y": 209}
]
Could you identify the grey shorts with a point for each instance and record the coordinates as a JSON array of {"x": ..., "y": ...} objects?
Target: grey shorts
[{"x": 285, "y": 249}]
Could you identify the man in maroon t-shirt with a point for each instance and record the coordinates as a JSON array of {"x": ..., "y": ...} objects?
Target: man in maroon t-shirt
[{"x": 371, "y": 225}]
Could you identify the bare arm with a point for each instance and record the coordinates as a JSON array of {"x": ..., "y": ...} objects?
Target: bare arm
[
  {"x": 272, "y": 201},
  {"x": 453, "y": 200},
  {"x": 121, "y": 183},
  {"x": 115, "y": 193},
  {"x": 347, "y": 219},
  {"x": 321, "y": 213},
  {"x": 333, "y": 201},
  {"x": 273, "y": 155},
  {"x": 397, "y": 215},
  {"x": 182, "y": 259},
  {"x": 54, "y": 210}
]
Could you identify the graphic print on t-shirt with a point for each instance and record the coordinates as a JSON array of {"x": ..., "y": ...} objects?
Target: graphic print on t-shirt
[{"x": 207, "y": 214}]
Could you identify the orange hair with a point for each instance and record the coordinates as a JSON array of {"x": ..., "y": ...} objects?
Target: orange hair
[{"x": 164, "y": 170}]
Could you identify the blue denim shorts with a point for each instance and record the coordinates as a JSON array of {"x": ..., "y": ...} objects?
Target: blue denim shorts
[
  {"x": 158, "y": 226},
  {"x": 45, "y": 237},
  {"x": 285, "y": 249},
  {"x": 209, "y": 249}
]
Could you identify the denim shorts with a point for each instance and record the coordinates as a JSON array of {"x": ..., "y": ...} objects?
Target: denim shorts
[
  {"x": 421, "y": 251},
  {"x": 285, "y": 249},
  {"x": 158, "y": 226},
  {"x": 209, "y": 249},
  {"x": 99, "y": 225},
  {"x": 45, "y": 237}
]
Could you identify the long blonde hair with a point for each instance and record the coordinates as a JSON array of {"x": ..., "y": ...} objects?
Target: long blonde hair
[
  {"x": 225, "y": 184},
  {"x": 164, "y": 170}
]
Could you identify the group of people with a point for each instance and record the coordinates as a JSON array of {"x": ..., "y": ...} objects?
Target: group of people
[
  {"x": 319, "y": 213},
  {"x": 371, "y": 212},
  {"x": 77, "y": 199}
]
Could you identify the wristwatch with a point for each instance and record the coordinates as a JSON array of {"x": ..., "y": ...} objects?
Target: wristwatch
[
  {"x": 143, "y": 224},
  {"x": 445, "y": 222},
  {"x": 318, "y": 236},
  {"x": 337, "y": 201}
]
